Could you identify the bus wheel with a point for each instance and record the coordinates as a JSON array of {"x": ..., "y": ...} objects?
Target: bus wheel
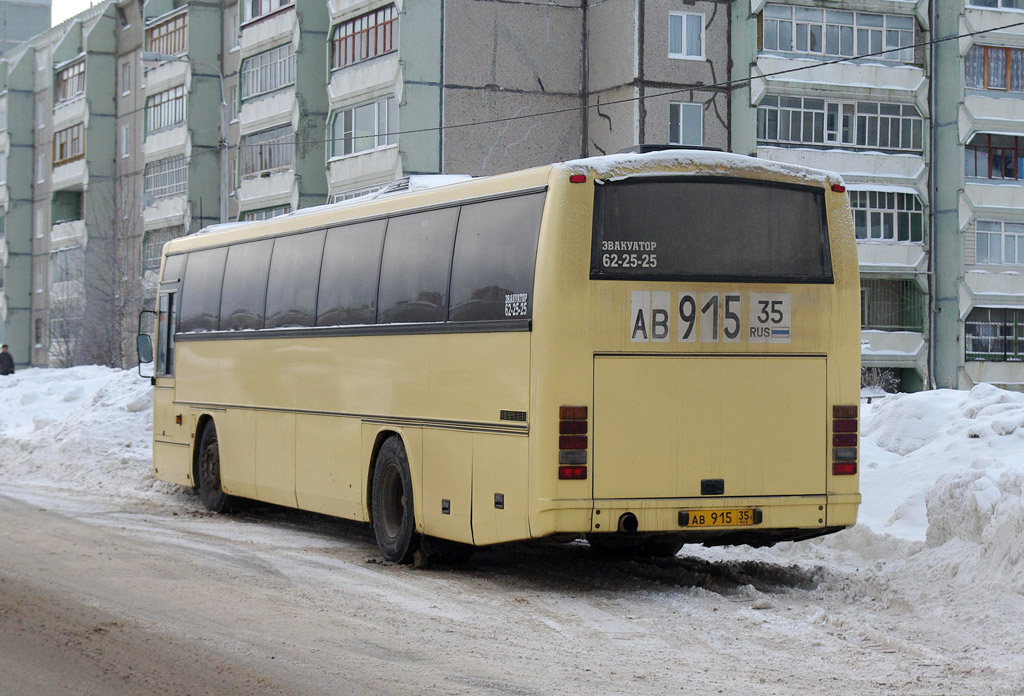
[
  {"x": 394, "y": 521},
  {"x": 208, "y": 471}
]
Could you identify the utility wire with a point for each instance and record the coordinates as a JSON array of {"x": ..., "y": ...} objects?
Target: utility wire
[{"x": 730, "y": 84}]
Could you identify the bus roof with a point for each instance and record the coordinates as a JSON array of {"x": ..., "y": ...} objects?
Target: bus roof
[{"x": 428, "y": 191}]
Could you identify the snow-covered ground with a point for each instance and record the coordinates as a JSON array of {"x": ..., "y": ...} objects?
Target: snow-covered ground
[{"x": 940, "y": 536}]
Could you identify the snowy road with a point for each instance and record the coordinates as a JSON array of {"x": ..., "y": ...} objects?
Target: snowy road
[
  {"x": 107, "y": 599},
  {"x": 112, "y": 583}
]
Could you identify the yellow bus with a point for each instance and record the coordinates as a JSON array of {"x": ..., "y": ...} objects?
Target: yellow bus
[{"x": 644, "y": 350}]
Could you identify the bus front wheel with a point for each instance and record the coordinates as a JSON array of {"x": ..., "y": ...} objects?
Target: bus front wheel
[
  {"x": 208, "y": 471},
  {"x": 394, "y": 521}
]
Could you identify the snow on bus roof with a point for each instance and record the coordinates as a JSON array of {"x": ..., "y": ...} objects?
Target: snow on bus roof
[
  {"x": 625, "y": 165},
  {"x": 416, "y": 182}
]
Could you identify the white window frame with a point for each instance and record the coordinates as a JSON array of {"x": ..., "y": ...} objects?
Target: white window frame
[
  {"x": 881, "y": 213},
  {"x": 996, "y": 231},
  {"x": 676, "y": 112},
  {"x": 848, "y": 33},
  {"x": 253, "y": 10},
  {"x": 685, "y": 52},
  {"x": 267, "y": 72},
  {"x": 126, "y": 140},
  {"x": 267, "y": 151},
  {"x": 343, "y": 128},
  {"x": 126, "y": 78},
  {"x": 840, "y": 124},
  {"x": 166, "y": 177}
]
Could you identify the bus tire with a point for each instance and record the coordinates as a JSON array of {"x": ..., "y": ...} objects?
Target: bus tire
[
  {"x": 393, "y": 511},
  {"x": 208, "y": 471}
]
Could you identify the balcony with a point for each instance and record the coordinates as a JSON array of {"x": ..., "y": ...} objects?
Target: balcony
[{"x": 67, "y": 233}]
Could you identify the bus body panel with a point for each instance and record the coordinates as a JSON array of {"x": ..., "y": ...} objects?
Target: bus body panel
[
  {"x": 300, "y": 414},
  {"x": 663, "y": 425}
]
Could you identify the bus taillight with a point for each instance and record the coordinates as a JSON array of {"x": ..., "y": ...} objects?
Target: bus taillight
[
  {"x": 572, "y": 443},
  {"x": 844, "y": 440}
]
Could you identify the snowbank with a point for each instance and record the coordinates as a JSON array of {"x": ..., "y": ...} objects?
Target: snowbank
[
  {"x": 942, "y": 472},
  {"x": 85, "y": 428}
]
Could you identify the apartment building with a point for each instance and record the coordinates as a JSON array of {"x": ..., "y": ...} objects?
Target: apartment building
[
  {"x": 979, "y": 195},
  {"x": 170, "y": 115}
]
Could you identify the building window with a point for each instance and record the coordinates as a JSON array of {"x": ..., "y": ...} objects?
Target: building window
[
  {"x": 837, "y": 33},
  {"x": 365, "y": 37},
  {"x": 995, "y": 333},
  {"x": 68, "y": 144},
  {"x": 885, "y": 216},
  {"x": 169, "y": 37},
  {"x": 269, "y": 150},
  {"x": 1002, "y": 4},
  {"x": 3, "y": 177},
  {"x": 153, "y": 246},
  {"x": 3, "y": 113},
  {"x": 264, "y": 213},
  {"x": 891, "y": 305},
  {"x": 70, "y": 83},
  {"x": 999, "y": 243},
  {"x": 126, "y": 78},
  {"x": 166, "y": 177},
  {"x": 67, "y": 264},
  {"x": 685, "y": 124},
  {"x": 126, "y": 140},
  {"x": 254, "y": 9},
  {"x": 40, "y": 169},
  {"x": 862, "y": 125},
  {"x": 995, "y": 68},
  {"x": 365, "y": 127},
  {"x": 990, "y": 156},
  {"x": 685, "y": 35},
  {"x": 165, "y": 109},
  {"x": 268, "y": 71},
  {"x": 352, "y": 194}
]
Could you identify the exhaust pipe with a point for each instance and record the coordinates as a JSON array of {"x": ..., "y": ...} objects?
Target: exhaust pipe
[{"x": 628, "y": 522}]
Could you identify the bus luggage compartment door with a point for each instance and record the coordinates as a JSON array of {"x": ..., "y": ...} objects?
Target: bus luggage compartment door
[{"x": 662, "y": 425}]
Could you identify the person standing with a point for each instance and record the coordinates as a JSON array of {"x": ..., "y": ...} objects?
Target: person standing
[{"x": 6, "y": 361}]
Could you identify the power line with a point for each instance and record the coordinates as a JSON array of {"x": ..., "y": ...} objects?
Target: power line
[{"x": 727, "y": 84}]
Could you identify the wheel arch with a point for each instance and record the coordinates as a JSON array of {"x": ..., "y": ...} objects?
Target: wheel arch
[
  {"x": 378, "y": 442},
  {"x": 197, "y": 436}
]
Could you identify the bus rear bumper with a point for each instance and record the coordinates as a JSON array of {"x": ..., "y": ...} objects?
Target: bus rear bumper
[{"x": 757, "y": 521}]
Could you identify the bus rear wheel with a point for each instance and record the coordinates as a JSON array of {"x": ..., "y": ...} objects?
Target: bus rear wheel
[
  {"x": 208, "y": 471},
  {"x": 393, "y": 513}
]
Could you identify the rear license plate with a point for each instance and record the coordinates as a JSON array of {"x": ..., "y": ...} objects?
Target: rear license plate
[{"x": 719, "y": 518}]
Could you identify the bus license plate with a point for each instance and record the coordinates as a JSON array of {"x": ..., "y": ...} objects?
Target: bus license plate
[{"x": 717, "y": 518}]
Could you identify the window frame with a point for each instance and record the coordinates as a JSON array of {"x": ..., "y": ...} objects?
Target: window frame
[
  {"x": 166, "y": 177},
  {"x": 275, "y": 74},
  {"x": 266, "y": 151},
  {"x": 842, "y": 124},
  {"x": 897, "y": 206},
  {"x": 831, "y": 25},
  {"x": 169, "y": 36},
  {"x": 1002, "y": 235},
  {"x": 169, "y": 106},
  {"x": 69, "y": 82},
  {"x": 676, "y": 138},
  {"x": 69, "y": 144},
  {"x": 684, "y": 53},
  {"x": 388, "y": 106},
  {"x": 354, "y": 35},
  {"x": 1002, "y": 333},
  {"x": 266, "y": 8}
]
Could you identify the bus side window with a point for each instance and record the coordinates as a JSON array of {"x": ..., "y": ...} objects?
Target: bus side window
[
  {"x": 291, "y": 289},
  {"x": 200, "y": 293},
  {"x": 414, "y": 269},
  {"x": 349, "y": 273},
  {"x": 167, "y": 320},
  {"x": 244, "y": 295},
  {"x": 495, "y": 253}
]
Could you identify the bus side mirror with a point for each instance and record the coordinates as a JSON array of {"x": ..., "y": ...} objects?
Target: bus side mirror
[{"x": 144, "y": 346}]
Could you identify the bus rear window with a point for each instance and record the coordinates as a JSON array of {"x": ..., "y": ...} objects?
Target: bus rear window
[{"x": 716, "y": 230}]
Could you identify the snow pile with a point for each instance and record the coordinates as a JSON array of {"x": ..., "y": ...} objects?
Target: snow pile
[
  {"x": 947, "y": 468},
  {"x": 85, "y": 428},
  {"x": 942, "y": 472}
]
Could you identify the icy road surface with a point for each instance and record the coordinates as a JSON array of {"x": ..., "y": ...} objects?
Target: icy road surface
[{"x": 112, "y": 583}]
